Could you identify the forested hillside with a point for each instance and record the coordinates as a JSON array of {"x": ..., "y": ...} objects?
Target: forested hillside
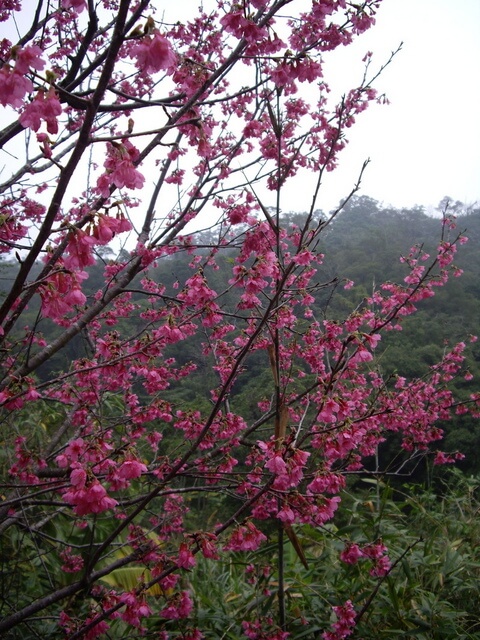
[{"x": 363, "y": 244}]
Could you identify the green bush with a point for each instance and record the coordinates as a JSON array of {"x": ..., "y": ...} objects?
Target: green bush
[{"x": 431, "y": 592}]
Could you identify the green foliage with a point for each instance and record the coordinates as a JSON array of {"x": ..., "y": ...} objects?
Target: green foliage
[{"x": 431, "y": 592}]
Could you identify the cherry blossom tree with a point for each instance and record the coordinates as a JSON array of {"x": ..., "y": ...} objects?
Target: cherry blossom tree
[{"x": 126, "y": 126}]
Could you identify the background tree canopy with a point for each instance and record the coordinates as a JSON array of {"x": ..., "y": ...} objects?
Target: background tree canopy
[{"x": 363, "y": 244}]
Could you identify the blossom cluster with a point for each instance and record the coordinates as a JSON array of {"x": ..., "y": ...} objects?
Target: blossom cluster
[
  {"x": 14, "y": 83},
  {"x": 120, "y": 168},
  {"x": 344, "y": 624},
  {"x": 376, "y": 552}
]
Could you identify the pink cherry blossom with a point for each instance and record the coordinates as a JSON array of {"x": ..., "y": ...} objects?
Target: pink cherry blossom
[
  {"x": 75, "y": 297},
  {"x": 245, "y": 538},
  {"x": 327, "y": 483},
  {"x": 28, "y": 58},
  {"x": 179, "y": 606},
  {"x": 13, "y": 87},
  {"x": 45, "y": 143},
  {"x": 277, "y": 465},
  {"x": 131, "y": 469},
  {"x": 7, "y": 7},
  {"x": 263, "y": 629},
  {"x": 121, "y": 171},
  {"x": 208, "y": 544},
  {"x": 105, "y": 228},
  {"x": 303, "y": 257},
  {"x": 351, "y": 554},
  {"x": 87, "y": 498},
  {"x": 153, "y": 53},
  {"x": 60, "y": 293},
  {"x": 186, "y": 559},
  {"x": 345, "y": 622},
  {"x": 77, "y": 5},
  {"x": 71, "y": 562},
  {"x": 136, "y": 608},
  {"x": 286, "y": 515},
  {"x": 45, "y": 107},
  {"x": 79, "y": 249}
]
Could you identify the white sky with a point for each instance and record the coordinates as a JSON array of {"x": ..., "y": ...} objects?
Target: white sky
[{"x": 426, "y": 143}]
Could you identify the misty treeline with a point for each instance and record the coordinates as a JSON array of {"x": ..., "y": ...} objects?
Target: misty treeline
[{"x": 365, "y": 244}]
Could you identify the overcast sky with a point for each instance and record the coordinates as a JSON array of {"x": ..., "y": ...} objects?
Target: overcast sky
[{"x": 426, "y": 143}]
